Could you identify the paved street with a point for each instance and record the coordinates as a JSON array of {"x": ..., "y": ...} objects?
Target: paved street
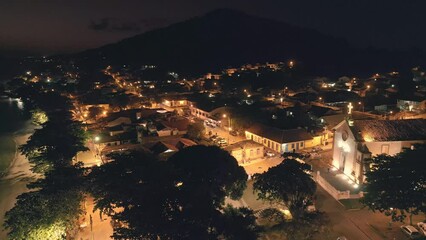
[
  {"x": 359, "y": 223},
  {"x": 101, "y": 228},
  {"x": 262, "y": 165},
  {"x": 224, "y": 134},
  {"x": 89, "y": 158}
]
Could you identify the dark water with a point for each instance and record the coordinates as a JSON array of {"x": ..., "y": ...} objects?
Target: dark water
[{"x": 13, "y": 118}]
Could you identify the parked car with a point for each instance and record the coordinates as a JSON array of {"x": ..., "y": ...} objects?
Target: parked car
[
  {"x": 422, "y": 227},
  {"x": 411, "y": 232},
  {"x": 233, "y": 133},
  {"x": 306, "y": 154},
  {"x": 270, "y": 154}
]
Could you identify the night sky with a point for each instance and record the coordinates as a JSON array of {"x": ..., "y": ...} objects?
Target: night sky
[{"x": 48, "y": 26}]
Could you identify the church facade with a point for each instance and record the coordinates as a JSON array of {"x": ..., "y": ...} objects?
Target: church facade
[{"x": 356, "y": 141}]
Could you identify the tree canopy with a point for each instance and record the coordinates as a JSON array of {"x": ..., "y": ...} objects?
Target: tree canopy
[
  {"x": 182, "y": 198},
  {"x": 196, "y": 131},
  {"x": 51, "y": 208},
  {"x": 288, "y": 183},
  {"x": 395, "y": 185}
]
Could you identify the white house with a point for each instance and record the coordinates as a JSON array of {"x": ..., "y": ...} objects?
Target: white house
[
  {"x": 245, "y": 151},
  {"x": 281, "y": 140},
  {"x": 355, "y": 141}
]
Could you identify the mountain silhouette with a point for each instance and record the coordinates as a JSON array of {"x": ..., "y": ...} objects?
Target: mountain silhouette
[{"x": 225, "y": 37}]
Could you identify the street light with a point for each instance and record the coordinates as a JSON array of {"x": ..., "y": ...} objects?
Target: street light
[
  {"x": 229, "y": 125},
  {"x": 97, "y": 138},
  {"x": 360, "y": 103}
]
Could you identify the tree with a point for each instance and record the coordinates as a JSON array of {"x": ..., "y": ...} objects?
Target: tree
[
  {"x": 95, "y": 111},
  {"x": 50, "y": 210},
  {"x": 38, "y": 116},
  {"x": 289, "y": 184},
  {"x": 210, "y": 171},
  {"x": 196, "y": 131},
  {"x": 133, "y": 185},
  {"x": 120, "y": 100},
  {"x": 182, "y": 198},
  {"x": 312, "y": 225},
  {"x": 55, "y": 144},
  {"x": 207, "y": 175},
  {"x": 395, "y": 185}
]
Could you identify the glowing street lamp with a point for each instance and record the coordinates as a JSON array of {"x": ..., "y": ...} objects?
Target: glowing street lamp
[
  {"x": 360, "y": 103},
  {"x": 97, "y": 138}
]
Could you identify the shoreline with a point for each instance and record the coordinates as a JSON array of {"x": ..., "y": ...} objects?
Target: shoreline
[
  {"x": 14, "y": 182},
  {"x": 19, "y": 166}
]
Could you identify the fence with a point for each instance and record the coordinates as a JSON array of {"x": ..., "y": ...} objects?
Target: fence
[{"x": 333, "y": 191}]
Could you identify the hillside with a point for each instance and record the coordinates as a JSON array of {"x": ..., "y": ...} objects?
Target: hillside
[{"x": 225, "y": 38}]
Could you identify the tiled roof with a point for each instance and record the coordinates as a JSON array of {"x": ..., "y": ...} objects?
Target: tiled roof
[
  {"x": 243, "y": 144},
  {"x": 389, "y": 130},
  {"x": 170, "y": 144},
  {"x": 180, "y": 124},
  {"x": 279, "y": 135}
]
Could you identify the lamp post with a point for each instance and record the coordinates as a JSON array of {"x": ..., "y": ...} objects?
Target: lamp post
[
  {"x": 229, "y": 125},
  {"x": 362, "y": 105}
]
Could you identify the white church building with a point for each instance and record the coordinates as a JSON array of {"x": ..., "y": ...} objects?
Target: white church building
[{"x": 356, "y": 141}]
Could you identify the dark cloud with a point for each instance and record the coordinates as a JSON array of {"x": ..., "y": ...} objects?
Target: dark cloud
[
  {"x": 114, "y": 25},
  {"x": 100, "y": 25},
  {"x": 153, "y": 22}
]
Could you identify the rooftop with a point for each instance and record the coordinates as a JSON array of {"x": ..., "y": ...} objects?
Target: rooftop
[
  {"x": 279, "y": 135},
  {"x": 242, "y": 145},
  {"x": 389, "y": 130}
]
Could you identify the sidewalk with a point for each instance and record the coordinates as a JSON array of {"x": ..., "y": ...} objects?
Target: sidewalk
[
  {"x": 337, "y": 179},
  {"x": 101, "y": 229},
  {"x": 262, "y": 165}
]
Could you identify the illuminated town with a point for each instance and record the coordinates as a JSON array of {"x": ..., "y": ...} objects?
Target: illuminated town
[{"x": 197, "y": 130}]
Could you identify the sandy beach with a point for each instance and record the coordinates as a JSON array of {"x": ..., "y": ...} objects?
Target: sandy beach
[{"x": 15, "y": 180}]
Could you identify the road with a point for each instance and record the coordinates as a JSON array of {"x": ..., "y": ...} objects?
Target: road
[
  {"x": 100, "y": 229},
  {"x": 224, "y": 134}
]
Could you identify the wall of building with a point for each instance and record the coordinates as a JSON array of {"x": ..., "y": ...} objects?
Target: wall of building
[
  {"x": 277, "y": 147},
  {"x": 293, "y": 146},
  {"x": 248, "y": 154},
  {"x": 199, "y": 113},
  {"x": 347, "y": 157},
  {"x": 165, "y": 132},
  {"x": 316, "y": 141},
  {"x": 390, "y": 148},
  {"x": 345, "y": 151},
  {"x": 264, "y": 141},
  {"x": 176, "y": 103}
]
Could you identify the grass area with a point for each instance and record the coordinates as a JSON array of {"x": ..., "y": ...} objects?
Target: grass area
[
  {"x": 251, "y": 198},
  {"x": 351, "y": 203}
]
